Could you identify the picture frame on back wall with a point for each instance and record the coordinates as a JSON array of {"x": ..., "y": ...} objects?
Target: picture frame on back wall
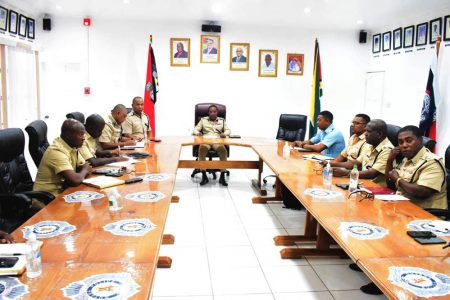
[
  {"x": 180, "y": 52},
  {"x": 376, "y": 43},
  {"x": 210, "y": 49},
  {"x": 31, "y": 25},
  {"x": 421, "y": 34},
  {"x": 239, "y": 56},
  {"x": 23, "y": 26},
  {"x": 12, "y": 21},
  {"x": 435, "y": 29},
  {"x": 447, "y": 28},
  {"x": 408, "y": 37},
  {"x": 397, "y": 39},
  {"x": 294, "y": 64},
  {"x": 3, "y": 18},
  {"x": 268, "y": 63},
  {"x": 386, "y": 41}
]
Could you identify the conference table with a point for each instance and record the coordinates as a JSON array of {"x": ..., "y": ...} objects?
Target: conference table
[{"x": 90, "y": 250}]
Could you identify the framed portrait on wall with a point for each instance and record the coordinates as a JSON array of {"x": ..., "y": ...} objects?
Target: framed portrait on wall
[
  {"x": 421, "y": 34},
  {"x": 447, "y": 28},
  {"x": 3, "y": 18},
  {"x": 210, "y": 49},
  {"x": 397, "y": 44},
  {"x": 268, "y": 63},
  {"x": 13, "y": 19},
  {"x": 435, "y": 29},
  {"x": 408, "y": 37},
  {"x": 376, "y": 43},
  {"x": 30, "y": 28},
  {"x": 23, "y": 26},
  {"x": 294, "y": 64},
  {"x": 239, "y": 56},
  {"x": 386, "y": 41},
  {"x": 180, "y": 52}
]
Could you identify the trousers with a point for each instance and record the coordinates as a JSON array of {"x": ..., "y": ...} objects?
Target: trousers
[{"x": 219, "y": 148}]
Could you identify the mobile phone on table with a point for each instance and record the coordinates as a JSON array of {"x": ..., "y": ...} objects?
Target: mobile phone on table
[
  {"x": 8, "y": 262},
  {"x": 420, "y": 234},
  {"x": 342, "y": 185},
  {"x": 432, "y": 240}
]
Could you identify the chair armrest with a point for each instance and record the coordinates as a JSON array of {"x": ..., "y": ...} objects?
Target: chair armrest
[
  {"x": 441, "y": 213},
  {"x": 44, "y": 197}
]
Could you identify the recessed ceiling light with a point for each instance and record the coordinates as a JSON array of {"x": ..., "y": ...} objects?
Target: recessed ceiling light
[
  {"x": 359, "y": 22},
  {"x": 307, "y": 10},
  {"x": 59, "y": 7}
]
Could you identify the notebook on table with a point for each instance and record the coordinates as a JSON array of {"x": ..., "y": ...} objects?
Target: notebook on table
[{"x": 102, "y": 182}]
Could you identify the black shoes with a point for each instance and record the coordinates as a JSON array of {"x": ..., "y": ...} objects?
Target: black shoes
[
  {"x": 222, "y": 179},
  {"x": 354, "y": 267},
  {"x": 205, "y": 179},
  {"x": 371, "y": 289}
]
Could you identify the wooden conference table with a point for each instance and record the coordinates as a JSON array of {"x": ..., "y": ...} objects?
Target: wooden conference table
[{"x": 89, "y": 250}]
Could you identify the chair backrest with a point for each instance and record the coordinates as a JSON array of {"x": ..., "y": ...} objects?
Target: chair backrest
[
  {"x": 77, "y": 116},
  {"x": 38, "y": 143},
  {"x": 201, "y": 110},
  {"x": 392, "y": 133},
  {"x": 428, "y": 143},
  {"x": 14, "y": 174},
  {"x": 292, "y": 127}
]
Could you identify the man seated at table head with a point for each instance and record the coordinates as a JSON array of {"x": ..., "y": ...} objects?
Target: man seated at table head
[
  {"x": 420, "y": 175},
  {"x": 95, "y": 156},
  {"x": 137, "y": 123},
  {"x": 373, "y": 161},
  {"x": 328, "y": 140},
  {"x": 111, "y": 137},
  {"x": 62, "y": 164},
  {"x": 212, "y": 126}
]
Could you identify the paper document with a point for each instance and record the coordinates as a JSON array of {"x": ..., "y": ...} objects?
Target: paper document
[
  {"x": 13, "y": 249},
  {"x": 140, "y": 144},
  {"x": 302, "y": 149},
  {"x": 102, "y": 182},
  {"x": 316, "y": 157},
  {"x": 124, "y": 163},
  {"x": 391, "y": 197}
]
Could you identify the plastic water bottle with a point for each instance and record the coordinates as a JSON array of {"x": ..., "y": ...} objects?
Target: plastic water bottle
[
  {"x": 286, "y": 150},
  {"x": 327, "y": 175},
  {"x": 33, "y": 257},
  {"x": 114, "y": 199},
  {"x": 354, "y": 175}
]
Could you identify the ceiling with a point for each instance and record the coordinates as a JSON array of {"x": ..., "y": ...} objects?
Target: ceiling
[{"x": 323, "y": 14}]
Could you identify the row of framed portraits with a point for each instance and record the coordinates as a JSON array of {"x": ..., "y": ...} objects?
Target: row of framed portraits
[
  {"x": 180, "y": 56},
  {"x": 16, "y": 24},
  {"x": 405, "y": 37}
]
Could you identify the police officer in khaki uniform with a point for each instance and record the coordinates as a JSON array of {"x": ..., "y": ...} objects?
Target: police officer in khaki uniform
[
  {"x": 111, "y": 137},
  {"x": 373, "y": 161},
  {"x": 212, "y": 126},
  {"x": 420, "y": 175},
  {"x": 62, "y": 165},
  {"x": 137, "y": 124}
]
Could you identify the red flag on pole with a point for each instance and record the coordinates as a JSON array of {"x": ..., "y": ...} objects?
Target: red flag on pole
[{"x": 151, "y": 88}]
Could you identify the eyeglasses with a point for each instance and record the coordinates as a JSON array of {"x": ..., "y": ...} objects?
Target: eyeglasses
[
  {"x": 363, "y": 194},
  {"x": 358, "y": 123}
]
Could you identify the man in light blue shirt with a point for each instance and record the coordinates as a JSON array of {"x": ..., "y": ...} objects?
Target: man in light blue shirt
[{"x": 329, "y": 140}]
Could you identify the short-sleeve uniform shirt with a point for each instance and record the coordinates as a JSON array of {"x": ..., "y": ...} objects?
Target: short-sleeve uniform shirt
[
  {"x": 355, "y": 147},
  {"x": 212, "y": 128},
  {"x": 112, "y": 131},
  {"x": 137, "y": 125},
  {"x": 376, "y": 158},
  {"x": 89, "y": 146},
  {"x": 332, "y": 138}
]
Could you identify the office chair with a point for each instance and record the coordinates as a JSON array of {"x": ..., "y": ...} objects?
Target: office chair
[
  {"x": 290, "y": 128},
  {"x": 38, "y": 143},
  {"x": 77, "y": 116},
  {"x": 392, "y": 134},
  {"x": 15, "y": 181},
  {"x": 428, "y": 143},
  {"x": 201, "y": 110}
]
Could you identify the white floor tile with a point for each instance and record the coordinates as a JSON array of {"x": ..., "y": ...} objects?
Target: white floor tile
[
  {"x": 184, "y": 298},
  {"x": 231, "y": 257},
  {"x": 261, "y": 222},
  {"x": 277, "y": 208},
  {"x": 245, "y": 297},
  {"x": 226, "y": 237},
  {"x": 292, "y": 221},
  {"x": 237, "y": 281},
  {"x": 222, "y": 221},
  {"x": 251, "y": 209},
  {"x": 340, "y": 277},
  {"x": 332, "y": 260},
  {"x": 264, "y": 237},
  {"x": 270, "y": 256},
  {"x": 355, "y": 295},
  {"x": 293, "y": 279},
  {"x": 304, "y": 296},
  {"x": 172, "y": 282}
]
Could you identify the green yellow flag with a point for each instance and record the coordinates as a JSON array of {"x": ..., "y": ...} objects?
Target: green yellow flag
[{"x": 316, "y": 92}]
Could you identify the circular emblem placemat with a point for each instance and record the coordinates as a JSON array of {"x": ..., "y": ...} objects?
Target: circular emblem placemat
[
  {"x": 82, "y": 196},
  {"x": 147, "y": 196},
  {"x": 48, "y": 229},
  {"x": 322, "y": 193},
  {"x": 155, "y": 177},
  {"x": 430, "y": 225},
  {"x": 363, "y": 231},
  {"x": 12, "y": 288},
  {"x": 115, "y": 286},
  {"x": 130, "y": 227},
  {"x": 420, "y": 282}
]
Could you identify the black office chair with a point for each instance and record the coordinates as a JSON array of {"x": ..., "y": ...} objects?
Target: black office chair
[
  {"x": 77, "y": 116},
  {"x": 201, "y": 110},
  {"x": 392, "y": 134},
  {"x": 15, "y": 181},
  {"x": 290, "y": 128},
  {"x": 428, "y": 143},
  {"x": 38, "y": 143}
]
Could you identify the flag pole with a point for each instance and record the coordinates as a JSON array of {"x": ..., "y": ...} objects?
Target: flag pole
[{"x": 438, "y": 44}]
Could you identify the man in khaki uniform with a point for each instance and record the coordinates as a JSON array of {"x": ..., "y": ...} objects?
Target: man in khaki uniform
[
  {"x": 111, "y": 137},
  {"x": 420, "y": 176},
  {"x": 212, "y": 126},
  {"x": 373, "y": 161},
  {"x": 62, "y": 165},
  {"x": 137, "y": 124}
]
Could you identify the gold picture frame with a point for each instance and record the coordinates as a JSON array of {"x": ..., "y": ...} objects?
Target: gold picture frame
[
  {"x": 268, "y": 63},
  {"x": 239, "y": 56},
  {"x": 294, "y": 64},
  {"x": 179, "y": 57},
  {"x": 210, "y": 49}
]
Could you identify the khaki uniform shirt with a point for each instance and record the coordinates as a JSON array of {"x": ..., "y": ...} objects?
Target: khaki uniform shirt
[
  {"x": 355, "y": 147},
  {"x": 136, "y": 125},
  {"x": 376, "y": 158},
  {"x": 212, "y": 128},
  {"x": 112, "y": 131},
  {"x": 89, "y": 146},
  {"x": 58, "y": 157},
  {"x": 425, "y": 169}
]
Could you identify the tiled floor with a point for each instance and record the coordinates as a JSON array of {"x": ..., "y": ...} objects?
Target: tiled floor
[{"x": 224, "y": 249}]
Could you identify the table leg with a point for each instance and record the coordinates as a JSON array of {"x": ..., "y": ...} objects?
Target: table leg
[
  {"x": 277, "y": 196},
  {"x": 175, "y": 199},
  {"x": 256, "y": 183},
  {"x": 168, "y": 239},
  {"x": 309, "y": 236},
  {"x": 164, "y": 262}
]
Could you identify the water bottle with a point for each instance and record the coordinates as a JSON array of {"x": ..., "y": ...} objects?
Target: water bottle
[
  {"x": 327, "y": 175},
  {"x": 354, "y": 175},
  {"x": 114, "y": 199},
  {"x": 286, "y": 150},
  {"x": 33, "y": 257}
]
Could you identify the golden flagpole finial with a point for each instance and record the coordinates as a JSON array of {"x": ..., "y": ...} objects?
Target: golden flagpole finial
[{"x": 151, "y": 39}]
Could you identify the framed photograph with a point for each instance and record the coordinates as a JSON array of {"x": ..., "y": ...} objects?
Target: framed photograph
[
  {"x": 294, "y": 64},
  {"x": 446, "y": 28},
  {"x": 23, "y": 26},
  {"x": 239, "y": 56},
  {"x": 397, "y": 44},
  {"x": 376, "y": 43},
  {"x": 13, "y": 21},
  {"x": 268, "y": 63},
  {"x": 30, "y": 28},
  {"x": 386, "y": 41},
  {"x": 210, "y": 49},
  {"x": 435, "y": 29},
  {"x": 180, "y": 52},
  {"x": 421, "y": 34},
  {"x": 408, "y": 37},
  {"x": 3, "y": 18}
]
